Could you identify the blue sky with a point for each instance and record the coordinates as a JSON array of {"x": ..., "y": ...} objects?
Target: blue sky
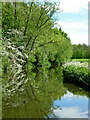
[
  {"x": 73, "y": 106},
  {"x": 73, "y": 19}
]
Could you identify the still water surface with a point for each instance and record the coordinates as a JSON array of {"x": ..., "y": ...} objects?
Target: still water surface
[{"x": 45, "y": 95}]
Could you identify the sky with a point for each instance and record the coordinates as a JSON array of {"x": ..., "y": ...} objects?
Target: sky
[
  {"x": 76, "y": 104},
  {"x": 73, "y": 19}
]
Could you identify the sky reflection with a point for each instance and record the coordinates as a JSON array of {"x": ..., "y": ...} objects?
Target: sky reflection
[{"x": 71, "y": 106}]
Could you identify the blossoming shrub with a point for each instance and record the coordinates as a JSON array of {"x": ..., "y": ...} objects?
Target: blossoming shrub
[{"x": 13, "y": 57}]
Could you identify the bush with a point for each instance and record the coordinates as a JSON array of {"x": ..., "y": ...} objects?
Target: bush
[{"x": 76, "y": 72}]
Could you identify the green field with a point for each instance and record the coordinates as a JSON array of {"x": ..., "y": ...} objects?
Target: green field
[{"x": 81, "y": 60}]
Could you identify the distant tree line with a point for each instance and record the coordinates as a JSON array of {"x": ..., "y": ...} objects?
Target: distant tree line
[{"x": 81, "y": 51}]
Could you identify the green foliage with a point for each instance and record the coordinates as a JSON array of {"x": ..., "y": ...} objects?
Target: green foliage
[
  {"x": 30, "y": 40},
  {"x": 7, "y": 16},
  {"x": 76, "y": 72},
  {"x": 80, "y": 60},
  {"x": 5, "y": 64},
  {"x": 81, "y": 51},
  {"x": 33, "y": 24},
  {"x": 76, "y": 90}
]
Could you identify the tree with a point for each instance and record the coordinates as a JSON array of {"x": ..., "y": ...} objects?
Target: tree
[
  {"x": 40, "y": 39},
  {"x": 80, "y": 51}
]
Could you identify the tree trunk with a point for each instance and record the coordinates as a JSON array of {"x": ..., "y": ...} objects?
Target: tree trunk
[
  {"x": 15, "y": 17},
  {"x": 28, "y": 19}
]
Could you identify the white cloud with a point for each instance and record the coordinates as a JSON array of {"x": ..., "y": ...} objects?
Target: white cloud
[
  {"x": 73, "y": 6},
  {"x": 72, "y": 112},
  {"x": 77, "y": 31},
  {"x": 79, "y": 38},
  {"x": 73, "y": 25}
]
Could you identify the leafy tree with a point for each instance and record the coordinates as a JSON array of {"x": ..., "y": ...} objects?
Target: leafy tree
[
  {"x": 40, "y": 40},
  {"x": 80, "y": 51},
  {"x": 30, "y": 40}
]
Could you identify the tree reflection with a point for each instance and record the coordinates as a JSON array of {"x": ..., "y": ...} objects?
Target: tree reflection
[
  {"x": 76, "y": 90},
  {"x": 36, "y": 99}
]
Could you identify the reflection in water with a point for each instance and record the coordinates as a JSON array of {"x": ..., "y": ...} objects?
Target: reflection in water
[
  {"x": 73, "y": 106},
  {"x": 45, "y": 96},
  {"x": 72, "y": 112}
]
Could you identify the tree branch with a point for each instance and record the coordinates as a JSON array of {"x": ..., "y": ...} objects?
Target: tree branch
[
  {"x": 42, "y": 12},
  {"x": 15, "y": 17},
  {"x": 43, "y": 23},
  {"x": 33, "y": 43},
  {"x": 26, "y": 60},
  {"x": 28, "y": 41},
  {"x": 28, "y": 19},
  {"x": 47, "y": 43}
]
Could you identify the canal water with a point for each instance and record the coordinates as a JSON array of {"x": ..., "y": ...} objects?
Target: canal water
[{"x": 44, "y": 95}]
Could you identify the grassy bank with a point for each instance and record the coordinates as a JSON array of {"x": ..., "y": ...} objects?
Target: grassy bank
[
  {"x": 76, "y": 72},
  {"x": 81, "y": 60}
]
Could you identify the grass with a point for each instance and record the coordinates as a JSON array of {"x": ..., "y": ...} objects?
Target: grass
[{"x": 81, "y": 60}]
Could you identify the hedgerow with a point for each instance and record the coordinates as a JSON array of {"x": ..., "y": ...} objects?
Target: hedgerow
[{"x": 76, "y": 72}]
